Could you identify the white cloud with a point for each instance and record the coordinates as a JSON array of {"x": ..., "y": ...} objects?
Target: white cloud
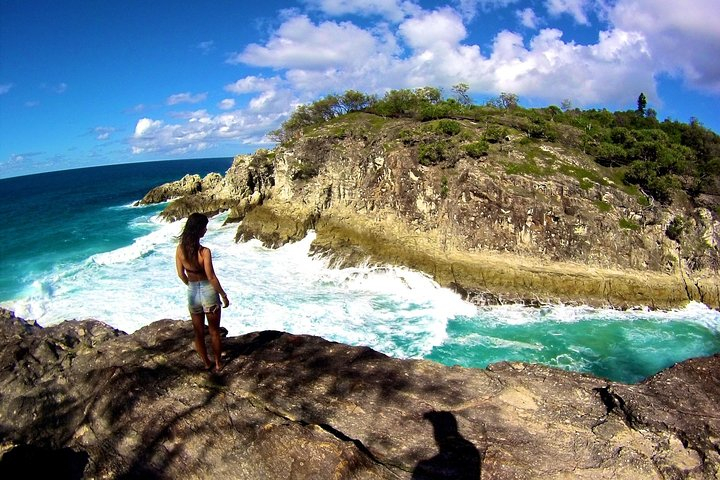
[
  {"x": 186, "y": 97},
  {"x": 145, "y": 126},
  {"x": 251, "y": 84},
  {"x": 393, "y": 10},
  {"x": 682, "y": 39},
  {"x": 470, "y": 8},
  {"x": 5, "y": 88},
  {"x": 528, "y": 18},
  {"x": 103, "y": 133},
  {"x": 226, "y": 104},
  {"x": 437, "y": 54},
  {"x": 574, "y": 8},
  {"x": 200, "y": 131},
  {"x": 444, "y": 27},
  {"x": 299, "y": 43}
]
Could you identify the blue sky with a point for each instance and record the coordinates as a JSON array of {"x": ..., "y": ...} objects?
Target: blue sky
[{"x": 99, "y": 82}]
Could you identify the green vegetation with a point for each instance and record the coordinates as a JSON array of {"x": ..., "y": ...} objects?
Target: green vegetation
[
  {"x": 656, "y": 157},
  {"x": 529, "y": 167},
  {"x": 444, "y": 189},
  {"x": 628, "y": 224},
  {"x": 675, "y": 229},
  {"x": 604, "y": 207},
  {"x": 432, "y": 153},
  {"x": 477, "y": 149}
]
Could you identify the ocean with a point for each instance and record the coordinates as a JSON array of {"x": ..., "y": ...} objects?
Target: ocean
[{"x": 75, "y": 247}]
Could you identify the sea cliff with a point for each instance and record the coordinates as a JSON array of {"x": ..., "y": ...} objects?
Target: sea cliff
[
  {"x": 83, "y": 400},
  {"x": 529, "y": 221}
]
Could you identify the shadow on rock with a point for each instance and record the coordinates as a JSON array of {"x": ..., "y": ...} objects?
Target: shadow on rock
[
  {"x": 458, "y": 458},
  {"x": 27, "y": 461}
]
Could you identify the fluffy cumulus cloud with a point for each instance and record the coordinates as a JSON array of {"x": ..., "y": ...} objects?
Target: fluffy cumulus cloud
[
  {"x": 431, "y": 48},
  {"x": 198, "y": 131},
  {"x": 299, "y": 43},
  {"x": 683, "y": 39}
]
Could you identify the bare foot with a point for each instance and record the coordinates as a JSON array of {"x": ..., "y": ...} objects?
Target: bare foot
[{"x": 218, "y": 367}]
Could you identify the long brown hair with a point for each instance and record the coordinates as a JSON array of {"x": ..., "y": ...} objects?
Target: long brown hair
[{"x": 190, "y": 237}]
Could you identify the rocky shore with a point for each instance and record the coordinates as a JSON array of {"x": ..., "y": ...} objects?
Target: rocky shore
[
  {"x": 493, "y": 228},
  {"x": 82, "y": 400}
]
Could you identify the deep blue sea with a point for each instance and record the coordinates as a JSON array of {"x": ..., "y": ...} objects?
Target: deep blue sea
[{"x": 75, "y": 247}]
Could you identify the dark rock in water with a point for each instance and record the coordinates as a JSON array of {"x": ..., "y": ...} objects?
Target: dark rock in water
[{"x": 84, "y": 397}]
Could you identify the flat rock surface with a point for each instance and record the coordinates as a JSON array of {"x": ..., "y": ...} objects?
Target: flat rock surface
[{"x": 82, "y": 400}]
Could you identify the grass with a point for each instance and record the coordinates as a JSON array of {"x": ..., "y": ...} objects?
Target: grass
[
  {"x": 528, "y": 167},
  {"x": 604, "y": 207},
  {"x": 628, "y": 224}
]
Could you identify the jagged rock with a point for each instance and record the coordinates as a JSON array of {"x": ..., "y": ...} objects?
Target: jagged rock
[
  {"x": 563, "y": 231},
  {"x": 83, "y": 397}
]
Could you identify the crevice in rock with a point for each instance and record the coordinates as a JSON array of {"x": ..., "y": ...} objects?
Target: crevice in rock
[
  {"x": 614, "y": 403},
  {"x": 361, "y": 447}
]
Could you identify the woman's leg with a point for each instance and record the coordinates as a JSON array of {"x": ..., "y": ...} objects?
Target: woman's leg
[
  {"x": 198, "y": 320},
  {"x": 215, "y": 341}
]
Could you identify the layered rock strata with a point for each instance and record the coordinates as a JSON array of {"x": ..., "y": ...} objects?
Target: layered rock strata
[
  {"x": 536, "y": 222},
  {"x": 82, "y": 400}
]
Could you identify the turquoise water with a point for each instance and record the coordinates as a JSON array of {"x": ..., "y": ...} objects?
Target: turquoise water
[{"x": 75, "y": 247}]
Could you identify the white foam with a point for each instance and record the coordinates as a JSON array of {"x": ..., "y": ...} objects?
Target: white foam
[{"x": 394, "y": 310}]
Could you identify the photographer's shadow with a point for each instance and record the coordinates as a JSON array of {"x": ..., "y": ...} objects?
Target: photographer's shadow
[{"x": 457, "y": 459}]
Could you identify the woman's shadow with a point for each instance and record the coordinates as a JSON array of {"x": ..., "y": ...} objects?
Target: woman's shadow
[{"x": 457, "y": 459}]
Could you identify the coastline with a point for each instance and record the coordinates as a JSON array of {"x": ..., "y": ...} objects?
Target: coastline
[{"x": 484, "y": 277}]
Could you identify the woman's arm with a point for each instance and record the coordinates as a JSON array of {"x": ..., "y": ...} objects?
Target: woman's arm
[
  {"x": 179, "y": 266},
  {"x": 206, "y": 256}
]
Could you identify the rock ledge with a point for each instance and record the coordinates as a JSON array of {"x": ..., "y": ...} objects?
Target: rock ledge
[{"x": 81, "y": 399}]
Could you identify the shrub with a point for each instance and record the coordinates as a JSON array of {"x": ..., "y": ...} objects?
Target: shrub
[
  {"x": 495, "y": 133},
  {"x": 477, "y": 149},
  {"x": 305, "y": 170},
  {"x": 431, "y": 153},
  {"x": 449, "y": 127},
  {"x": 609, "y": 155},
  {"x": 675, "y": 228}
]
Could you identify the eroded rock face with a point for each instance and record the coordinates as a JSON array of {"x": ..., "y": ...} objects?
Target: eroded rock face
[
  {"x": 94, "y": 400},
  {"x": 485, "y": 226}
]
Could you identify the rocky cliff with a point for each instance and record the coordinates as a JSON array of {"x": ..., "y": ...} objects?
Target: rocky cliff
[
  {"x": 524, "y": 220},
  {"x": 82, "y": 400}
]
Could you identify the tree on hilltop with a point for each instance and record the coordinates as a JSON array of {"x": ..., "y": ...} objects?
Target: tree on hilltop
[{"x": 641, "y": 104}]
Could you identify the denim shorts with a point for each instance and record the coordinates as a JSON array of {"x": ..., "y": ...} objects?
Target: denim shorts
[{"x": 202, "y": 297}]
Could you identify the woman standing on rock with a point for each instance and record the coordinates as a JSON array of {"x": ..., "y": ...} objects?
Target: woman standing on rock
[{"x": 195, "y": 268}]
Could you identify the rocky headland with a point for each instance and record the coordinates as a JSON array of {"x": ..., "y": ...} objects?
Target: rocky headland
[
  {"x": 83, "y": 400},
  {"x": 531, "y": 221}
]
